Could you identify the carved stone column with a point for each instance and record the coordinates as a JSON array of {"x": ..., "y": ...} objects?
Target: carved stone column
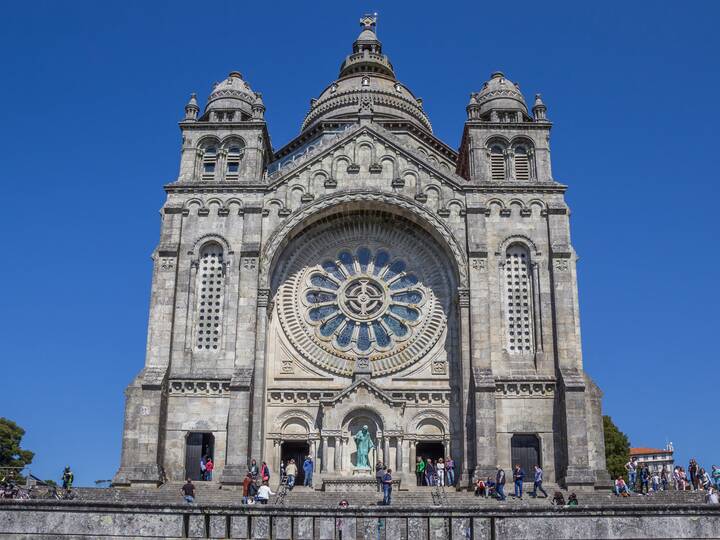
[
  {"x": 386, "y": 450},
  {"x": 338, "y": 454}
]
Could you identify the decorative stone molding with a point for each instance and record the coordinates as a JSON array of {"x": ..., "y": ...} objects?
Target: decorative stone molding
[
  {"x": 463, "y": 298},
  {"x": 249, "y": 263},
  {"x": 561, "y": 265},
  {"x": 263, "y": 297},
  {"x": 422, "y": 397},
  {"x": 187, "y": 387},
  {"x": 294, "y": 397},
  {"x": 479, "y": 263},
  {"x": 439, "y": 367},
  {"x": 287, "y": 367},
  {"x": 525, "y": 389},
  {"x": 242, "y": 379},
  {"x": 167, "y": 263}
]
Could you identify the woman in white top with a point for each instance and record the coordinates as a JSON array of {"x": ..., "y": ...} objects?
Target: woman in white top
[
  {"x": 263, "y": 493},
  {"x": 441, "y": 471}
]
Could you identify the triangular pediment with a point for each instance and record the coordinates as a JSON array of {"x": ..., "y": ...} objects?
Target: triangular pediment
[
  {"x": 315, "y": 154},
  {"x": 364, "y": 386}
]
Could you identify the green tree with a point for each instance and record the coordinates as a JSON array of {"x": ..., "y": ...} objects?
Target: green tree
[
  {"x": 617, "y": 448},
  {"x": 11, "y": 455}
]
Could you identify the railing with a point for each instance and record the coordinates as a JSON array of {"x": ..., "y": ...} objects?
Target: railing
[{"x": 282, "y": 491}]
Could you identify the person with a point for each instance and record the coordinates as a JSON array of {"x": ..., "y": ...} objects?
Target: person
[
  {"x": 683, "y": 479},
  {"x": 676, "y": 478},
  {"x": 558, "y": 499},
  {"x": 291, "y": 470},
  {"x": 387, "y": 487},
  {"x": 644, "y": 479},
  {"x": 716, "y": 476},
  {"x": 188, "y": 491},
  {"x": 450, "y": 471},
  {"x": 440, "y": 472},
  {"x": 621, "y": 488},
  {"x": 500, "y": 484},
  {"x": 247, "y": 481},
  {"x": 664, "y": 479},
  {"x": 693, "y": 472},
  {"x": 704, "y": 479},
  {"x": 419, "y": 471},
  {"x": 537, "y": 483},
  {"x": 572, "y": 500},
  {"x": 429, "y": 472},
  {"x": 202, "y": 467},
  {"x": 209, "y": 466},
  {"x": 631, "y": 468},
  {"x": 344, "y": 504},
  {"x": 379, "y": 474},
  {"x": 263, "y": 494},
  {"x": 265, "y": 472},
  {"x": 480, "y": 488},
  {"x": 67, "y": 478},
  {"x": 308, "y": 470},
  {"x": 518, "y": 477},
  {"x": 253, "y": 469},
  {"x": 712, "y": 496},
  {"x": 282, "y": 470},
  {"x": 655, "y": 481}
]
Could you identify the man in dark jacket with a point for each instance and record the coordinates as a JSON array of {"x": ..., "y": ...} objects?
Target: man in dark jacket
[
  {"x": 500, "y": 484},
  {"x": 518, "y": 478}
]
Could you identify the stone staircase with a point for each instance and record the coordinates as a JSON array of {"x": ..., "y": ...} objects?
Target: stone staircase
[{"x": 212, "y": 494}]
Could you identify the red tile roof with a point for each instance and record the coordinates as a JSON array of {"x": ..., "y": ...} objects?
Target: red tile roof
[{"x": 646, "y": 451}]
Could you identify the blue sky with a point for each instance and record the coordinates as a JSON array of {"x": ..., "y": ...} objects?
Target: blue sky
[{"x": 91, "y": 93}]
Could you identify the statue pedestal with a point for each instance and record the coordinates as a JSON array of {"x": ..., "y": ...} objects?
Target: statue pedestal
[{"x": 363, "y": 472}]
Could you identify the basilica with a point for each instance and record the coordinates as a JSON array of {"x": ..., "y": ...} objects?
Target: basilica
[{"x": 364, "y": 286}]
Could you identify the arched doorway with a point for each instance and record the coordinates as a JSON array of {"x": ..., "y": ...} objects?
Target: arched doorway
[
  {"x": 430, "y": 449},
  {"x": 525, "y": 451},
  {"x": 197, "y": 445},
  {"x": 297, "y": 450}
]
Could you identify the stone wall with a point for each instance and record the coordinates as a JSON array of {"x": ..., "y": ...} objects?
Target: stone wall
[{"x": 41, "y": 519}]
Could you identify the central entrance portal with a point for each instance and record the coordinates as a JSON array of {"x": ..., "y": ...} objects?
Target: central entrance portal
[
  {"x": 432, "y": 450},
  {"x": 298, "y": 451}
]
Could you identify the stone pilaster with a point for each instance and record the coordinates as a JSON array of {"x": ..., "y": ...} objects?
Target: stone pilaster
[{"x": 236, "y": 459}]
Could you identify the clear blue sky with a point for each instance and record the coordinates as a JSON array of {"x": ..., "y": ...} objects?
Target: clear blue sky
[{"x": 91, "y": 93}]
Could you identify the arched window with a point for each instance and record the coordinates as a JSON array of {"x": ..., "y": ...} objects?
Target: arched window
[
  {"x": 497, "y": 163},
  {"x": 519, "y": 309},
  {"x": 209, "y": 162},
  {"x": 210, "y": 293},
  {"x": 522, "y": 163},
  {"x": 235, "y": 152}
]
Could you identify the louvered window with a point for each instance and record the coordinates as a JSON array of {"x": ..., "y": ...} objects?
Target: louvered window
[
  {"x": 209, "y": 162},
  {"x": 234, "y": 156},
  {"x": 497, "y": 163},
  {"x": 518, "y": 285},
  {"x": 522, "y": 164},
  {"x": 210, "y": 294}
]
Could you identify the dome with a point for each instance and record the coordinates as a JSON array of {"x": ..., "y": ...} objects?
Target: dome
[
  {"x": 232, "y": 93},
  {"x": 499, "y": 93},
  {"x": 367, "y": 84}
]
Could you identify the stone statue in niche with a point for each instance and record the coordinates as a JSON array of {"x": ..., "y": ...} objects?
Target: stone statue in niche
[{"x": 364, "y": 443}]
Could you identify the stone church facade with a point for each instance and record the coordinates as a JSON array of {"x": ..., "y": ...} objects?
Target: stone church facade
[{"x": 364, "y": 274}]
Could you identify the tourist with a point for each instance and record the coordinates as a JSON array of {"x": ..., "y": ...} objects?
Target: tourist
[
  {"x": 683, "y": 479},
  {"x": 704, "y": 479},
  {"x": 282, "y": 471},
  {"x": 664, "y": 479},
  {"x": 188, "y": 491},
  {"x": 253, "y": 470},
  {"x": 572, "y": 500},
  {"x": 291, "y": 470},
  {"x": 429, "y": 473},
  {"x": 480, "y": 488},
  {"x": 202, "y": 467},
  {"x": 419, "y": 471},
  {"x": 716, "y": 476},
  {"x": 621, "y": 488},
  {"x": 676, "y": 478},
  {"x": 500, "y": 484},
  {"x": 209, "y": 466},
  {"x": 450, "y": 471},
  {"x": 440, "y": 468},
  {"x": 67, "y": 478},
  {"x": 379, "y": 474},
  {"x": 655, "y": 481},
  {"x": 247, "y": 482},
  {"x": 387, "y": 487},
  {"x": 537, "y": 483},
  {"x": 631, "y": 468},
  {"x": 344, "y": 504},
  {"x": 308, "y": 470},
  {"x": 265, "y": 472},
  {"x": 693, "y": 472},
  {"x": 558, "y": 499},
  {"x": 518, "y": 477},
  {"x": 712, "y": 496},
  {"x": 263, "y": 494},
  {"x": 644, "y": 479}
]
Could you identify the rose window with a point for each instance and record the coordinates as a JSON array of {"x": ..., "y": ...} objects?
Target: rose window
[{"x": 363, "y": 301}]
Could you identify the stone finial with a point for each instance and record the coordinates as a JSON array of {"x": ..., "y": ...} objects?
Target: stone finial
[
  {"x": 192, "y": 109},
  {"x": 539, "y": 109},
  {"x": 258, "y": 108}
]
